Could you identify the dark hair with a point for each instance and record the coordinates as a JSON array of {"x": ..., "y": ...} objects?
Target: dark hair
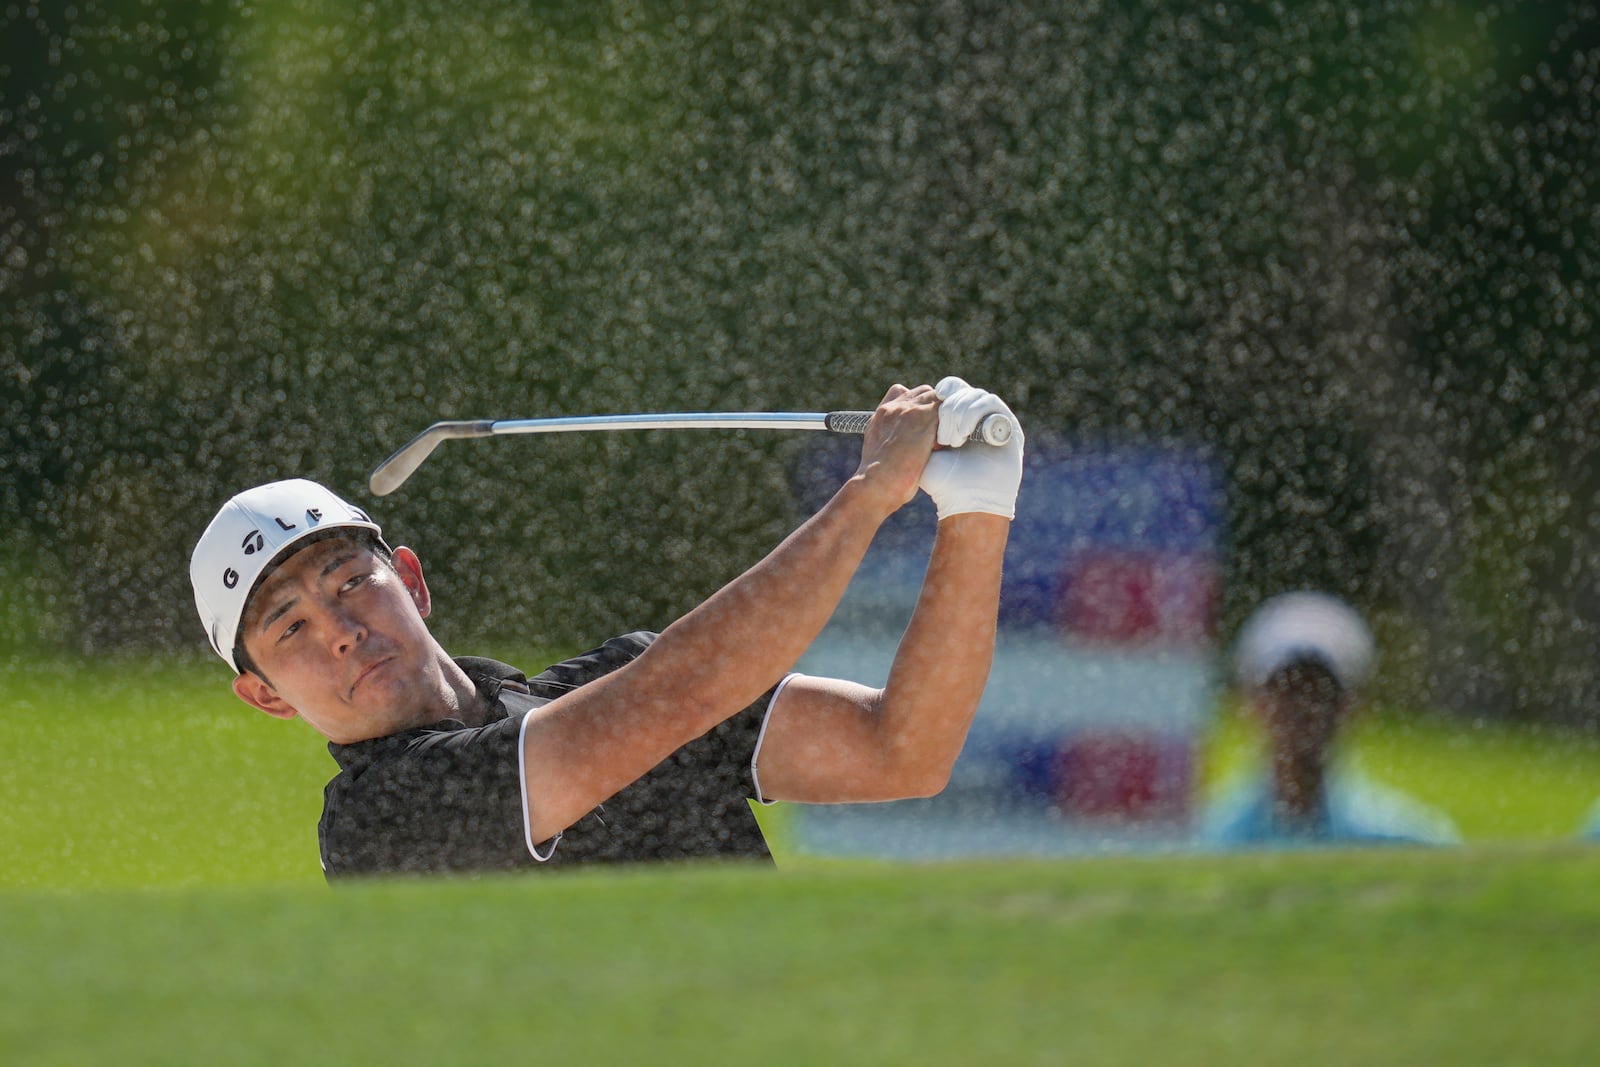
[{"x": 373, "y": 544}]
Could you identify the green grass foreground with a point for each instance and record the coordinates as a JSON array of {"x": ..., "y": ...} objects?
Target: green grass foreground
[
  {"x": 1472, "y": 956},
  {"x": 160, "y": 903}
]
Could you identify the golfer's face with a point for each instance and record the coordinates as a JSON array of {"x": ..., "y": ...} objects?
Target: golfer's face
[{"x": 339, "y": 634}]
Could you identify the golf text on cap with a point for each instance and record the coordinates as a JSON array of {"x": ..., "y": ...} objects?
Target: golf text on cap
[{"x": 254, "y": 541}]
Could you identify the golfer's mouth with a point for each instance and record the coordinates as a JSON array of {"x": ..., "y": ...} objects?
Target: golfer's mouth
[{"x": 369, "y": 671}]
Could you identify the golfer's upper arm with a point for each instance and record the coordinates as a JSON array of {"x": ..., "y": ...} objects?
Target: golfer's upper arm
[{"x": 822, "y": 744}]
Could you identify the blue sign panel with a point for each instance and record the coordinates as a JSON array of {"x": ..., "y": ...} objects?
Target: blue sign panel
[{"x": 1104, "y": 667}]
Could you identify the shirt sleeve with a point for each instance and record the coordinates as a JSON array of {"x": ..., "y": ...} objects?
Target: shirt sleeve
[
  {"x": 572, "y": 673},
  {"x": 761, "y": 737}
]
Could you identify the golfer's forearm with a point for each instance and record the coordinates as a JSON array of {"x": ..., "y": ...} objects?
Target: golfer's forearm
[
  {"x": 743, "y": 639},
  {"x": 943, "y": 661}
]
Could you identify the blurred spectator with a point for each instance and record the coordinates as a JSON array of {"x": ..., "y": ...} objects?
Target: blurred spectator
[
  {"x": 1300, "y": 661},
  {"x": 1591, "y": 823}
]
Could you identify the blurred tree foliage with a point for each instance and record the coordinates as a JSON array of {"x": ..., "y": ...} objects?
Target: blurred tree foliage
[{"x": 1347, "y": 247}]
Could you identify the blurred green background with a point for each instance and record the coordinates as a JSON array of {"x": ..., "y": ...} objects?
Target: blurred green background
[{"x": 1348, "y": 248}]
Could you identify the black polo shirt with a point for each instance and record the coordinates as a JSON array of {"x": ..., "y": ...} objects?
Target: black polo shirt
[{"x": 448, "y": 797}]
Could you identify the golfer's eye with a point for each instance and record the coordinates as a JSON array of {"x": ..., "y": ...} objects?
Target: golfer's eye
[
  {"x": 353, "y": 581},
  {"x": 290, "y": 630}
]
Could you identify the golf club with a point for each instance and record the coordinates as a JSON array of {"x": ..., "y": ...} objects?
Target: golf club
[{"x": 391, "y": 474}]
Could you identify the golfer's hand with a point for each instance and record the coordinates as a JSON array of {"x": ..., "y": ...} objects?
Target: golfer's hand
[
  {"x": 969, "y": 476},
  {"x": 897, "y": 444}
]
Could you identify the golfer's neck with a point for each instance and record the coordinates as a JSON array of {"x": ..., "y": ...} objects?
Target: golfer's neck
[{"x": 456, "y": 696}]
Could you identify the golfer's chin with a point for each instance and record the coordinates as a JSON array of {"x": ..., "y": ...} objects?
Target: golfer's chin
[{"x": 387, "y": 702}]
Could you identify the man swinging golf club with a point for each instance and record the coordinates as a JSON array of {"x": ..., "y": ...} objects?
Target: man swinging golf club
[{"x": 647, "y": 747}]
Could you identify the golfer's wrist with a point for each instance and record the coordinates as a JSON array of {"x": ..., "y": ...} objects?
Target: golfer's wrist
[
  {"x": 874, "y": 494},
  {"x": 975, "y": 523}
]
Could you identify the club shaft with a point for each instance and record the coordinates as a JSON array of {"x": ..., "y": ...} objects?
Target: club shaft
[
  {"x": 392, "y": 473},
  {"x": 689, "y": 420}
]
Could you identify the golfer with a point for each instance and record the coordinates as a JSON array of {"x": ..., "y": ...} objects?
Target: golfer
[{"x": 650, "y": 746}]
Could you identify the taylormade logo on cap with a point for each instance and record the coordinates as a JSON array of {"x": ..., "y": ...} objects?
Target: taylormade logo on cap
[{"x": 253, "y": 531}]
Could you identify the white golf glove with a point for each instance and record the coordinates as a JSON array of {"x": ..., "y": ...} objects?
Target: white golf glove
[{"x": 965, "y": 477}]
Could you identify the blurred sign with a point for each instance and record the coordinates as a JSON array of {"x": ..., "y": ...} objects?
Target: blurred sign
[{"x": 1104, "y": 670}]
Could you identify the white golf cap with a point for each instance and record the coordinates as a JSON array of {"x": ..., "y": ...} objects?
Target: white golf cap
[
  {"x": 252, "y": 532},
  {"x": 1296, "y": 626}
]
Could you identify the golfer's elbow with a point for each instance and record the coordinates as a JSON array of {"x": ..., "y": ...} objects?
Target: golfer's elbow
[
  {"x": 926, "y": 783},
  {"x": 920, "y": 743},
  {"x": 920, "y": 774}
]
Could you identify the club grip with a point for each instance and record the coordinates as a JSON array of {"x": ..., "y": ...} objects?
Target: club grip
[
  {"x": 847, "y": 421},
  {"x": 994, "y": 428}
]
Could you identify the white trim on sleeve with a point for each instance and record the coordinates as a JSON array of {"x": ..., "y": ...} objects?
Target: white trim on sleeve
[
  {"x": 755, "y": 757},
  {"x": 522, "y": 779}
]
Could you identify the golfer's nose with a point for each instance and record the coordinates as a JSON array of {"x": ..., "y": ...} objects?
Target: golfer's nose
[{"x": 346, "y": 631}]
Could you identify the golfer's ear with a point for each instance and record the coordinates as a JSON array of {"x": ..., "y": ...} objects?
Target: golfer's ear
[
  {"x": 253, "y": 690},
  {"x": 409, "y": 567}
]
